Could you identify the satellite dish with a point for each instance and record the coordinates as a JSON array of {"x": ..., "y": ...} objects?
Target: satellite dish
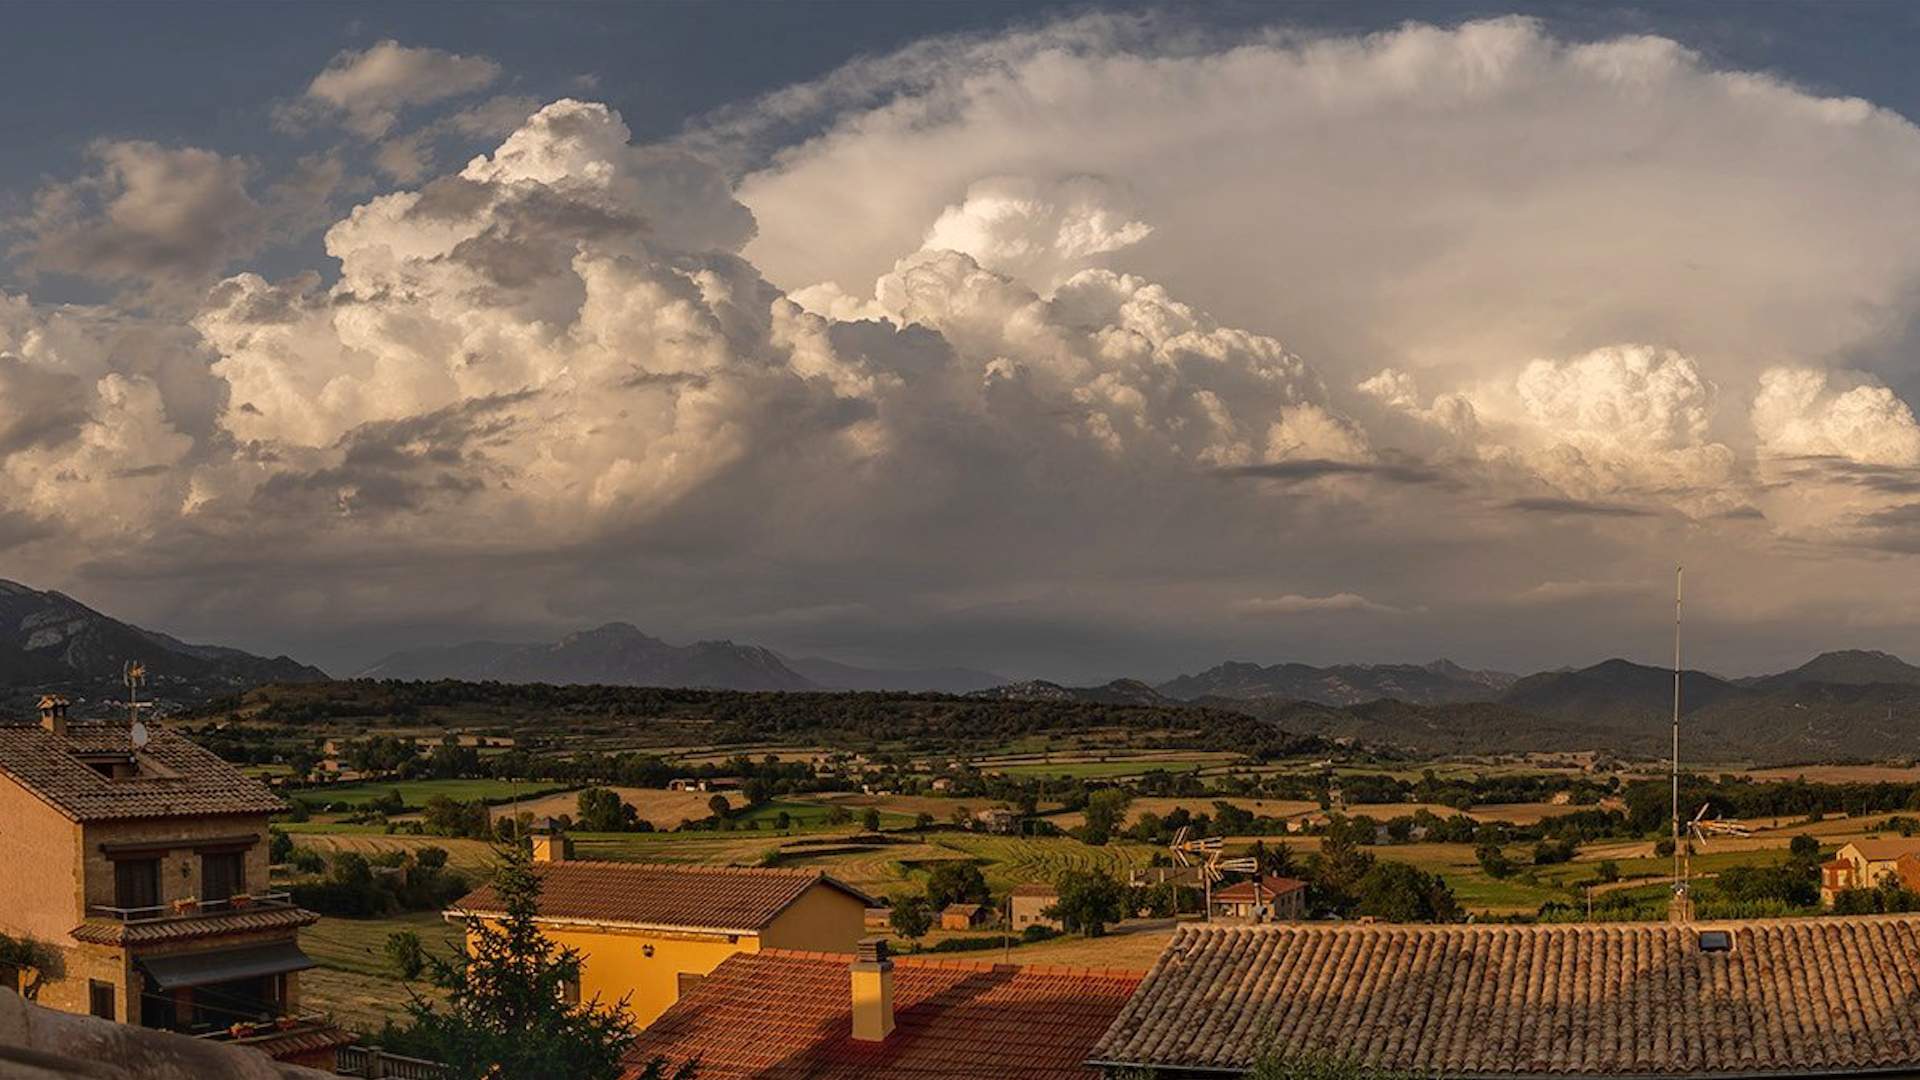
[{"x": 138, "y": 735}]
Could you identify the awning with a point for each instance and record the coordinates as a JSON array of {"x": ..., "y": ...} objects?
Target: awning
[{"x": 224, "y": 965}]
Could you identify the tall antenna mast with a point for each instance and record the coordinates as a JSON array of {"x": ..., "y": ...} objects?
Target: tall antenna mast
[{"x": 1679, "y": 879}]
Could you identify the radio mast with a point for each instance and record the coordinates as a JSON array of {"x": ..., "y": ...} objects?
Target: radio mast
[{"x": 1680, "y": 899}]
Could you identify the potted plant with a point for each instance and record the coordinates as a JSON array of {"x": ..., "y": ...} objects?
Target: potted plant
[
  {"x": 186, "y": 905},
  {"x": 240, "y": 900}
]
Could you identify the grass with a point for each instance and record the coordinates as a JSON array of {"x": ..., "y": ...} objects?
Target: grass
[
  {"x": 415, "y": 793},
  {"x": 359, "y": 945},
  {"x": 1100, "y": 770}
]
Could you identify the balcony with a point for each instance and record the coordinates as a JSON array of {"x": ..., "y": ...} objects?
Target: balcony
[
  {"x": 191, "y": 909},
  {"x": 182, "y": 920}
]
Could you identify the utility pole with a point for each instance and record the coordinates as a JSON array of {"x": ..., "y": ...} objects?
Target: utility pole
[{"x": 1679, "y": 885}]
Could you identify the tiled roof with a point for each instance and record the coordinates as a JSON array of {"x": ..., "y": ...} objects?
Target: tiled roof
[
  {"x": 738, "y": 899},
  {"x": 1275, "y": 886},
  {"x": 178, "y": 778},
  {"x": 789, "y": 1015},
  {"x": 114, "y": 932},
  {"x": 1796, "y": 996},
  {"x": 1884, "y": 848}
]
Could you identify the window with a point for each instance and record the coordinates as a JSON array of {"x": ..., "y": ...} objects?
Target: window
[
  {"x": 1716, "y": 941},
  {"x": 222, "y": 874},
  {"x": 136, "y": 883},
  {"x": 100, "y": 999},
  {"x": 570, "y": 992}
]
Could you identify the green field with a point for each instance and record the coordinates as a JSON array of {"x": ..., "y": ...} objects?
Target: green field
[
  {"x": 359, "y": 945},
  {"x": 1102, "y": 770},
  {"x": 812, "y": 815},
  {"x": 415, "y": 793}
]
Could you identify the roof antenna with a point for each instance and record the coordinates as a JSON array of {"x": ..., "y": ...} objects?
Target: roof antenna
[
  {"x": 1682, "y": 910},
  {"x": 134, "y": 673}
]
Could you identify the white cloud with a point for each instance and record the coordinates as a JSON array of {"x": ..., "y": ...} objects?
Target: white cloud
[
  {"x": 366, "y": 90},
  {"x": 1295, "y": 604},
  {"x": 1033, "y": 231},
  {"x": 1800, "y": 411}
]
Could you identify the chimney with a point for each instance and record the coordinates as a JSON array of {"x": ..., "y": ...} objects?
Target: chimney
[
  {"x": 872, "y": 991},
  {"x": 549, "y": 844},
  {"x": 53, "y": 714}
]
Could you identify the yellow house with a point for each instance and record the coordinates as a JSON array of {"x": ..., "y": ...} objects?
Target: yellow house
[
  {"x": 138, "y": 863},
  {"x": 650, "y": 933},
  {"x": 1862, "y": 863}
]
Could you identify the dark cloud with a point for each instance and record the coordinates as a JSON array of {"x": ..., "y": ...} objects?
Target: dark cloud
[
  {"x": 1576, "y": 508},
  {"x": 1305, "y": 469}
]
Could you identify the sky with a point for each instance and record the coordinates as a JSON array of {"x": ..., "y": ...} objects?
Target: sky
[{"x": 1066, "y": 341}]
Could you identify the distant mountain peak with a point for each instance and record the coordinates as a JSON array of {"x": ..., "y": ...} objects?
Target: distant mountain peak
[{"x": 1340, "y": 684}]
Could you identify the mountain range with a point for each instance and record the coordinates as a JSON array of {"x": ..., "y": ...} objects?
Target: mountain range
[
  {"x": 619, "y": 654},
  {"x": 50, "y": 641},
  {"x": 1847, "y": 704}
]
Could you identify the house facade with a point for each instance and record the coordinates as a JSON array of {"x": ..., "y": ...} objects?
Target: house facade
[
  {"x": 650, "y": 933},
  {"x": 1028, "y": 905},
  {"x": 1862, "y": 864},
  {"x": 141, "y": 867}
]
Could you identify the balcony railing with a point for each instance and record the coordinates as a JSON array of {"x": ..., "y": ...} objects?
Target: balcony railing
[{"x": 191, "y": 909}]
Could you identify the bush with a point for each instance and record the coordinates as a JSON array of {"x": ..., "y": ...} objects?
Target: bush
[
  {"x": 405, "y": 954},
  {"x": 1038, "y": 932},
  {"x": 1493, "y": 860},
  {"x": 911, "y": 917},
  {"x": 1089, "y": 901}
]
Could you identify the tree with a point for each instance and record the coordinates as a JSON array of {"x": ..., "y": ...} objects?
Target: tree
[
  {"x": 1401, "y": 892},
  {"x": 1089, "y": 901},
  {"x": 1805, "y": 848},
  {"x": 719, "y": 807},
  {"x": 839, "y": 815},
  {"x": 1608, "y": 871},
  {"x": 922, "y": 821},
  {"x": 956, "y": 882},
  {"x": 911, "y": 917},
  {"x": 508, "y": 1013},
  {"x": 783, "y": 821},
  {"x": 405, "y": 954},
  {"x": 1493, "y": 860},
  {"x": 1106, "y": 810},
  {"x": 602, "y": 810},
  {"x": 870, "y": 820}
]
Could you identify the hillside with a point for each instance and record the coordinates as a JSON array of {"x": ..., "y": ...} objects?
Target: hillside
[
  {"x": 1844, "y": 667},
  {"x": 1616, "y": 693},
  {"x": 49, "y": 640}
]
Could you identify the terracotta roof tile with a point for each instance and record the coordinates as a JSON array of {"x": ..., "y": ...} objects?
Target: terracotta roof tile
[
  {"x": 113, "y": 932},
  {"x": 787, "y": 1015},
  {"x": 1275, "y": 886},
  {"x": 179, "y": 778},
  {"x": 739, "y": 899},
  {"x": 1798, "y": 996}
]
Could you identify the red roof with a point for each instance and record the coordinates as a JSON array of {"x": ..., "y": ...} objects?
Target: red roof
[
  {"x": 722, "y": 898},
  {"x": 1244, "y": 892},
  {"x": 789, "y": 1014}
]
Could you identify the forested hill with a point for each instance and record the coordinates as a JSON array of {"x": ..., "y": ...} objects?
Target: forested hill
[{"x": 926, "y": 721}]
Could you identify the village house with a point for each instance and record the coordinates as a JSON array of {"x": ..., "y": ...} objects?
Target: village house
[
  {"x": 43, "y": 1044},
  {"x": 1273, "y": 899},
  {"x": 649, "y": 933},
  {"x": 1862, "y": 863},
  {"x": 1621, "y": 1000},
  {"x": 841, "y": 1016},
  {"x": 140, "y": 863},
  {"x": 965, "y": 916},
  {"x": 1028, "y": 906},
  {"x": 997, "y": 820}
]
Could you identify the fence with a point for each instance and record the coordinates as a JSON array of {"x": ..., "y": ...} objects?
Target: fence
[{"x": 371, "y": 1061}]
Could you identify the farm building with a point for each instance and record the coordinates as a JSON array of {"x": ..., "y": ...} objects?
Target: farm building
[
  {"x": 1862, "y": 863},
  {"x": 997, "y": 820},
  {"x": 1029, "y": 904},
  {"x": 1273, "y": 899},
  {"x": 965, "y": 916},
  {"x": 1817, "y": 997},
  {"x": 861, "y": 1015},
  {"x": 878, "y": 918},
  {"x": 649, "y": 932}
]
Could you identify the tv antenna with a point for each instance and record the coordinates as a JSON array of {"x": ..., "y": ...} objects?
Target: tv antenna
[
  {"x": 1207, "y": 849},
  {"x": 134, "y": 674}
]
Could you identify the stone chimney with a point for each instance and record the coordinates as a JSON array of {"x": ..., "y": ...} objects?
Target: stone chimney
[
  {"x": 53, "y": 714},
  {"x": 872, "y": 991}
]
